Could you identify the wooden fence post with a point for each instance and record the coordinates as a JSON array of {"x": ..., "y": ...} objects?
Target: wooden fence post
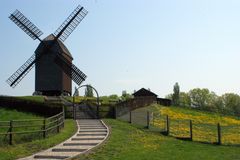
[
  {"x": 219, "y": 134},
  {"x": 58, "y": 125},
  {"x": 191, "y": 133},
  {"x": 44, "y": 128},
  {"x": 63, "y": 117},
  {"x": 130, "y": 117},
  {"x": 168, "y": 123},
  {"x": 148, "y": 120},
  {"x": 10, "y": 132}
]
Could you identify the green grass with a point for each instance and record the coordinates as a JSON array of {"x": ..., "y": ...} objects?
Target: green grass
[
  {"x": 204, "y": 124},
  {"x": 39, "y": 99},
  {"x": 7, "y": 115},
  {"x": 21, "y": 150},
  {"x": 129, "y": 142}
]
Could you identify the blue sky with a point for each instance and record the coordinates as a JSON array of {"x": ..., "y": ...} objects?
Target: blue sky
[{"x": 126, "y": 45}]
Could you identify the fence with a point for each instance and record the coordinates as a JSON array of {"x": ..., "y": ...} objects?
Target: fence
[
  {"x": 185, "y": 129},
  {"x": 105, "y": 111},
  {"x": 26, "y": 130}
]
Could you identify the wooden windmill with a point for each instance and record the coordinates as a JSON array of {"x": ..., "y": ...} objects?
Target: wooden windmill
[{"x": 54, "y": 70}]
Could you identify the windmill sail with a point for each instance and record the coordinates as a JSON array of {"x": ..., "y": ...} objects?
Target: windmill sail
[
  {"x": 28, "y": 27},
  {"x": 70, "y": 23},
  {"x": 22, "y": 71},
  {"x": 70, "y": 69}
]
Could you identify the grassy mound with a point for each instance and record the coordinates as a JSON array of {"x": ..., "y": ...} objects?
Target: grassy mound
[
  {"x": 204, "y": 124},
  {"x": 7, "y": 115},
  {"x": 129, "y": 142}
]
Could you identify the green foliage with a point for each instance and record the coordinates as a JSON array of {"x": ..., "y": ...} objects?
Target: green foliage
[
  {"x": 33, "y": 104},
  {"x": 231, "y": 103},
  {"x": 39, "y": 99},
  {"x": 130, "y": 142},
  {"x": 203, "y": 99},
  {"x": 7, "y": 115},
  {"x": 184, "y": 99},
  {"x": 125, "y": 96},
  {"x": 169, "y": 96},
  {"x": 175, "y": 96},
  {"x": 88, "y": 91},
  {"x": 76, "y": 92}
]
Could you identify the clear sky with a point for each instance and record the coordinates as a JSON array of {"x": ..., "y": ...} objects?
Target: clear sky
[{"x": 129, "y": 44}]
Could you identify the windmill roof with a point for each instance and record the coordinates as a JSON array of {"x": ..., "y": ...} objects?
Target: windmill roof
[{"x": 59, "y": 44}]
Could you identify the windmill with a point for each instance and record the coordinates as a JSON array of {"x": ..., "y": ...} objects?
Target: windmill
[{"x": 54, "y": 70}]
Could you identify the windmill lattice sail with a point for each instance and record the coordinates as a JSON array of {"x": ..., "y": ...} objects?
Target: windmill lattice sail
[
  {"x": 70, "y": 69},
  {"x": 22, "y": 71},
  {"x": 70, "y": 23},
  {"x": 28, "y": 27}
]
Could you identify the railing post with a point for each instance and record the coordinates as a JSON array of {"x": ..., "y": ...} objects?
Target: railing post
[
  {"x": 168, "y": 123},
  {"x": 10, "y": 132},
  {"x": 148, "y": 120},
  {"x": 63, "y": 110},
  {"x": 219, "y": 134},
  {"x": 130, "y": 117},
  {"x": 63, "y": 120},
  {"x": 191, "y": 133},
  {"x": 44, "y": 128}
]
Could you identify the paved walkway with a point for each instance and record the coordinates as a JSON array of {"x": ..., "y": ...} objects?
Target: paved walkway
[{"x": 90, "y": 134}]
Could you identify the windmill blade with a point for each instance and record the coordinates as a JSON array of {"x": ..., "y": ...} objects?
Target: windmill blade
[
  {"x": 28, "y": 27},
  {"x": 70, "y": 23},
  {"x": 22, "y": 71},
  {"x": 70, "y": 69}
]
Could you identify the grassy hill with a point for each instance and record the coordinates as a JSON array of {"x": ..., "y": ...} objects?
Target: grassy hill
[
  {"x": 132, "y": 142},
  {"x": 204, "y": 124}
]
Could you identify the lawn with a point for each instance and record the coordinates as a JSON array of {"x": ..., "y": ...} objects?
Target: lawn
[
  {"x": 7, "y": 115},
  {"x": 130, "y": 142},
  {"x": 39, "y": 99}
]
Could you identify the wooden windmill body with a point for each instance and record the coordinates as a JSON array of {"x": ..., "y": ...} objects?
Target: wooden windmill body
[{"x": 54, "y": 70}]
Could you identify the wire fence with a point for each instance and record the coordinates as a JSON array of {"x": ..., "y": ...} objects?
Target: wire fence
[
  {"x": 185, "y": 129},
  {"x": 17, "y": 131}
]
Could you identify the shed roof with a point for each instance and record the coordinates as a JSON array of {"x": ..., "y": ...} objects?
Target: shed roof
[{"x": 143, "y": 93}]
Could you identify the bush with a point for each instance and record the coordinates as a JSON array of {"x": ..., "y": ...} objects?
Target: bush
[{"x": 40, "y": 108}]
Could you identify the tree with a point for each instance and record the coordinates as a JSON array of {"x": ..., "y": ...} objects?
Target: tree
[
  {"x": 125, "y": 95},
  {"x": 175, "y": 97},
  {"x": 184, "y": 99},
  {"x": 88, "y": 91},
  {"x": 169, "y": 96},
  {"x": 76, "y": 92},
  {"x": 231, "y": 103},
  {"x": 203, "y": 99}
]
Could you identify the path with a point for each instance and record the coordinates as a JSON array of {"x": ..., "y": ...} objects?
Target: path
[{"x": 90, "y": 134}]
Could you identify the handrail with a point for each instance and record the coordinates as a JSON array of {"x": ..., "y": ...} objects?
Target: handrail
[
  {"x": 26, "y": 120},
  {"x": 54, "y": 116}
]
